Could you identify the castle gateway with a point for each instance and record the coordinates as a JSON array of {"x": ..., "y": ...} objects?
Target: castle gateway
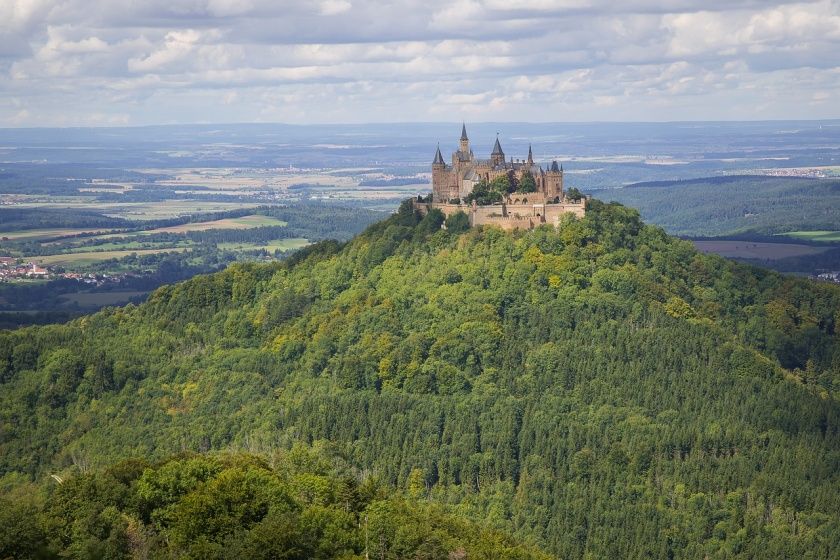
[{"x": 510, "y": 194}]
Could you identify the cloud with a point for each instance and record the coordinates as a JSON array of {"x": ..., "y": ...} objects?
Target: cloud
[
  {"x": 360, "y": 60},
  {"x": 335, "y": 7}
]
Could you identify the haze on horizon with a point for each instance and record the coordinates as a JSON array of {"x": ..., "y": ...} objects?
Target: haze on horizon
[{"x": 101, "y": 62}]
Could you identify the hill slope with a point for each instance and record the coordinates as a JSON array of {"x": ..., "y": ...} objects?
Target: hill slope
[{"x": 601, "y": 389}]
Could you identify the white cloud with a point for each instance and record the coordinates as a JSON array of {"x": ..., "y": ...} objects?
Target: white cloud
[{"x": 165, "y": 60}]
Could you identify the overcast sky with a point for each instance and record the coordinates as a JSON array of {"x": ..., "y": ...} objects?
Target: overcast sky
[{"x": 109, "y": 62}]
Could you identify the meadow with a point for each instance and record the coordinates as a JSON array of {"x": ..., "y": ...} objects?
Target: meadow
[{"x": 271, "y": 246}]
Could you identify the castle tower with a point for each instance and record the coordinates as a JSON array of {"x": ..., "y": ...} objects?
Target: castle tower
[
  {"x": 438, "y": 177},
  {"x": 497, "y": 156},
  {"x": 464, "y": 145},
  {"x": 554, "y": 181}
]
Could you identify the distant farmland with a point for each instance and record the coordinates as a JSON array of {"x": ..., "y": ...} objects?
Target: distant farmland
[{"x": 49, "y": 233}]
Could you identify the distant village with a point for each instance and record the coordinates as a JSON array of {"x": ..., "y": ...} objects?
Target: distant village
[{"x": 13, "y": 269}]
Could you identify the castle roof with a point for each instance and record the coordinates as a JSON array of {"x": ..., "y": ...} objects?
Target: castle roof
[
  {"x": 438, "y": 156},
  {"x": 464, "y": 131},
  {"x": 497, "y": 149},
  {"x": 554, "y": 166}
]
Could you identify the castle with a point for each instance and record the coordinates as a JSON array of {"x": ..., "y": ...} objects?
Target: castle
[{"x": 533, "y": 196}]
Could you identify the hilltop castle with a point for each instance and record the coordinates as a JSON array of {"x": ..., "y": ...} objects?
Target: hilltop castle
[{"x": 533, "y": 195}]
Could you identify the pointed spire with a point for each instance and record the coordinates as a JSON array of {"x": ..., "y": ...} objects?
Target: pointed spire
[
  {"x": 561, "y": 168},
  {"x": 438, "y": 156},
  {"x": 530, "y": 155},
  {"x": 464, "y": 131},
  {"x": 554, "y": 166},
  {"x": 497, "y": 148}
]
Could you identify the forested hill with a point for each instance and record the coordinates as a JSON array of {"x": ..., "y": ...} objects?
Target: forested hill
[
  {"x": 735, "y": 204},
  {"x": 600, "y": 389}
]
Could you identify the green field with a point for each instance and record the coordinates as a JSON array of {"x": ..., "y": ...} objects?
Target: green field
[
  {"x": 829, "y": 236},
  {"x": 90, "y": 257},
  {"x": 271, "y": 246},
  {"x": 128, "y": 245}
]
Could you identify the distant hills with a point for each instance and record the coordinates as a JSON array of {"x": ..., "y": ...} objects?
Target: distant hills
[
  {"x": 730, "y": 205},
  {"x": 598, "y": 390}
]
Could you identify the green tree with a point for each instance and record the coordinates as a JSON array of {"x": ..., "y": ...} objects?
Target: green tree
[
  {"x": 527, "y": 183},
  {"x": 573, "y": 194},
  {"x": 457, "y": 222}
]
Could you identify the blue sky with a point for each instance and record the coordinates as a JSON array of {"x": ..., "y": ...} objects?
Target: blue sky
[{"x": 129, "y": 62}]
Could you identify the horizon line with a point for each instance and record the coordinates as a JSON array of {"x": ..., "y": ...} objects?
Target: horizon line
[{"x": 409, "y": 123}]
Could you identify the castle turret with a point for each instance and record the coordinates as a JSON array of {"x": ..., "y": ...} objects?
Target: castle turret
[
  {"x": 530, "y": 156},
  {"x": 464, "y": 145},
  {"x": 497, "y": 156},
  {"x": 438, "y": 161}
]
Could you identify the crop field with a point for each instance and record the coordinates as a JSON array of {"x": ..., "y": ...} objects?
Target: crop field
[
  {"x": 756, "y": 250},
  {"x": 90, "y": 257},
  {"x": 271, "y": 246},
  {"x": 829, "y": 236},
  {"x": 245, "y": 222},
  {"x": 98, "y": 299}
]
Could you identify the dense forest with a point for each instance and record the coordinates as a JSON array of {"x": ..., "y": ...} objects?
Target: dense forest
[
  {"x": 304, "y": 504},
  {"x": 729, "y": 205},
  {"x": 598, "y": 389}
]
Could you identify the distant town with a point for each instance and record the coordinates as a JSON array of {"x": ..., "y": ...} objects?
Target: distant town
[{"x": 16, "y": 270}]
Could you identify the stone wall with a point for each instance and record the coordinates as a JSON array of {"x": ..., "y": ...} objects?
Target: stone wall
[{"x": 509, "y": 216}]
